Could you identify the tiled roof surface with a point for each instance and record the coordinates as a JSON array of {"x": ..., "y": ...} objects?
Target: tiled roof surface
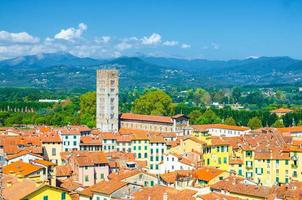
[
  {"x": 21, "y": 168},
  {"x": 158, "y": 192},
  {"x": 282, "y": 110},
  {"x": 148, "y": 118},
  {"x": 236, "y": 186},
  {"x": 207, "y": 173}
]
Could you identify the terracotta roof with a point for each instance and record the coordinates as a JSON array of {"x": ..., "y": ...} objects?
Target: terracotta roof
[
  {"x": 220, "y": 126},
  {"x": 157, "y": 139},
  {"x": 86, "y": 158},
  {"x": 236, "y": 186},
  {"x": 70, "y": 185},
  {"x": 207, "y": 173},
  {"x": 104, "y": 187},
  {"x": 44, "y": 163},
  {"x": 235, "y": 161},
  {"x": 158, "y": 192},
  {"x": 108, "y": 136},
  {"x": 21, "y": 153},
  {"x": 50, "y": 137},
  {"x": 271, "y": 156},
  {"x": 124, "y": 138},
  {"x": 293, "y": 129},
  {"x": 282, "y": 110},
  {"x": 69, "y": 131},
  {"x": 217, "y": 196},
  {"x": 172, "y": 177},
  {"x": 148, "y": 118},
  {"x": 21, "y": 168},
  {"x": 63, "y": 171},
  {"x": 19, "y": 189},
  {"x": 91, "y": 140},
  {"x": 179, "y": 116}
]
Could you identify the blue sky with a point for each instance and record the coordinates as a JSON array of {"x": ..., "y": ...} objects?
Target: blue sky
[{"x": 213, "y": 29}]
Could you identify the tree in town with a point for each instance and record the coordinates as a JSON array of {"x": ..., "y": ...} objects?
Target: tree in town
[
  {"x": 154, "y": 102},
  {"x": 254, "y": 123}
]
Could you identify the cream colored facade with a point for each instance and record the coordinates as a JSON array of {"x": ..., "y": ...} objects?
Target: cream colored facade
[
  {"x": 148, "y": 126},
  {"x": 53, "y": 151}
]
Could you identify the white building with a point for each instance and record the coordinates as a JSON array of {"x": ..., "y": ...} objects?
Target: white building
[
  {"x": 222, "y": 129},
  {"x": 70, "y": 138},
  {"x": 157, "y": 148},
  {"x": 172, "y": 162},
  {"x": 23, "y": 156},
  {"x": 107, "y": 100}
]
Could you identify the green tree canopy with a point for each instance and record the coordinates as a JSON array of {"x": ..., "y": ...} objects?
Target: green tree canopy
[
  {"x": 201, "y": 97},
  {"x": 194, "y": 115},
  {"x": 154, "y": 102},
  {"x": 254, "y": 123},
  {"x": 88, "y": 108},
  {"x": 208, "y": 117},
  {"x": 230, "y": 121},
  {"x": 278, "y": 124}
]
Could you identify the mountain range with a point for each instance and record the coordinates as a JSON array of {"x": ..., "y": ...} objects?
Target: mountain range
[{"x": 63, "y": 70}]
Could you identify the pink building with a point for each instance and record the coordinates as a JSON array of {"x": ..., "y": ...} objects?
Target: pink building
[{"x": 89, "y": 168}]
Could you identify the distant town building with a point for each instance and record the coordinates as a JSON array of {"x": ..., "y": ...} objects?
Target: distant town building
[
  {"x": 107, "y": 100},
  {"x": 281, "y": 111},
  {"x": 177, "y": 123},
  {"x": 50, "y": 100},
  {"x": 221, "y": 130}
]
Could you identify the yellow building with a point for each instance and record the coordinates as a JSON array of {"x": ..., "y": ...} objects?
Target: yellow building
[
  {"x": 47, "y": 192},
  {"x": 52, "y": 147},
  {"x": 188, "y": 145},
  {"x": 272, "y": 168},
  {"x": 217, "y": 154}
]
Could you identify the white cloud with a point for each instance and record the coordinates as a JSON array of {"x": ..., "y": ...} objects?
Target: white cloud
[
  {"x": 185, "y": 46},
  {"x": 123, "y": 46},
  {"x": 170, "y": 43},
  {"x": 22, "y": 37},
  {"x": 155, "y": 38},
  {"x": 103, "y": 40},
  {"x": 72, "y": 40},
  {"x": 71, "y": 33}
]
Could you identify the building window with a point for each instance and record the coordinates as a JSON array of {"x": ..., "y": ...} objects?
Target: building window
[
  {"x": 102, "y": 176},
  {"x": 139, "y": 155},
  {"x": 63, "y": 196},
  {"x": 277, "y": 179},
  {"x": 248, "y": 153},
  {"x": 146, "y": 155},
  {"x": 45, "y": 197},
  {"x": 74, "y": 143},
  {"x": 152, "y": 183},
  {"x": 86, "y": 178},
  {"x": 53, "y": 151}
]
